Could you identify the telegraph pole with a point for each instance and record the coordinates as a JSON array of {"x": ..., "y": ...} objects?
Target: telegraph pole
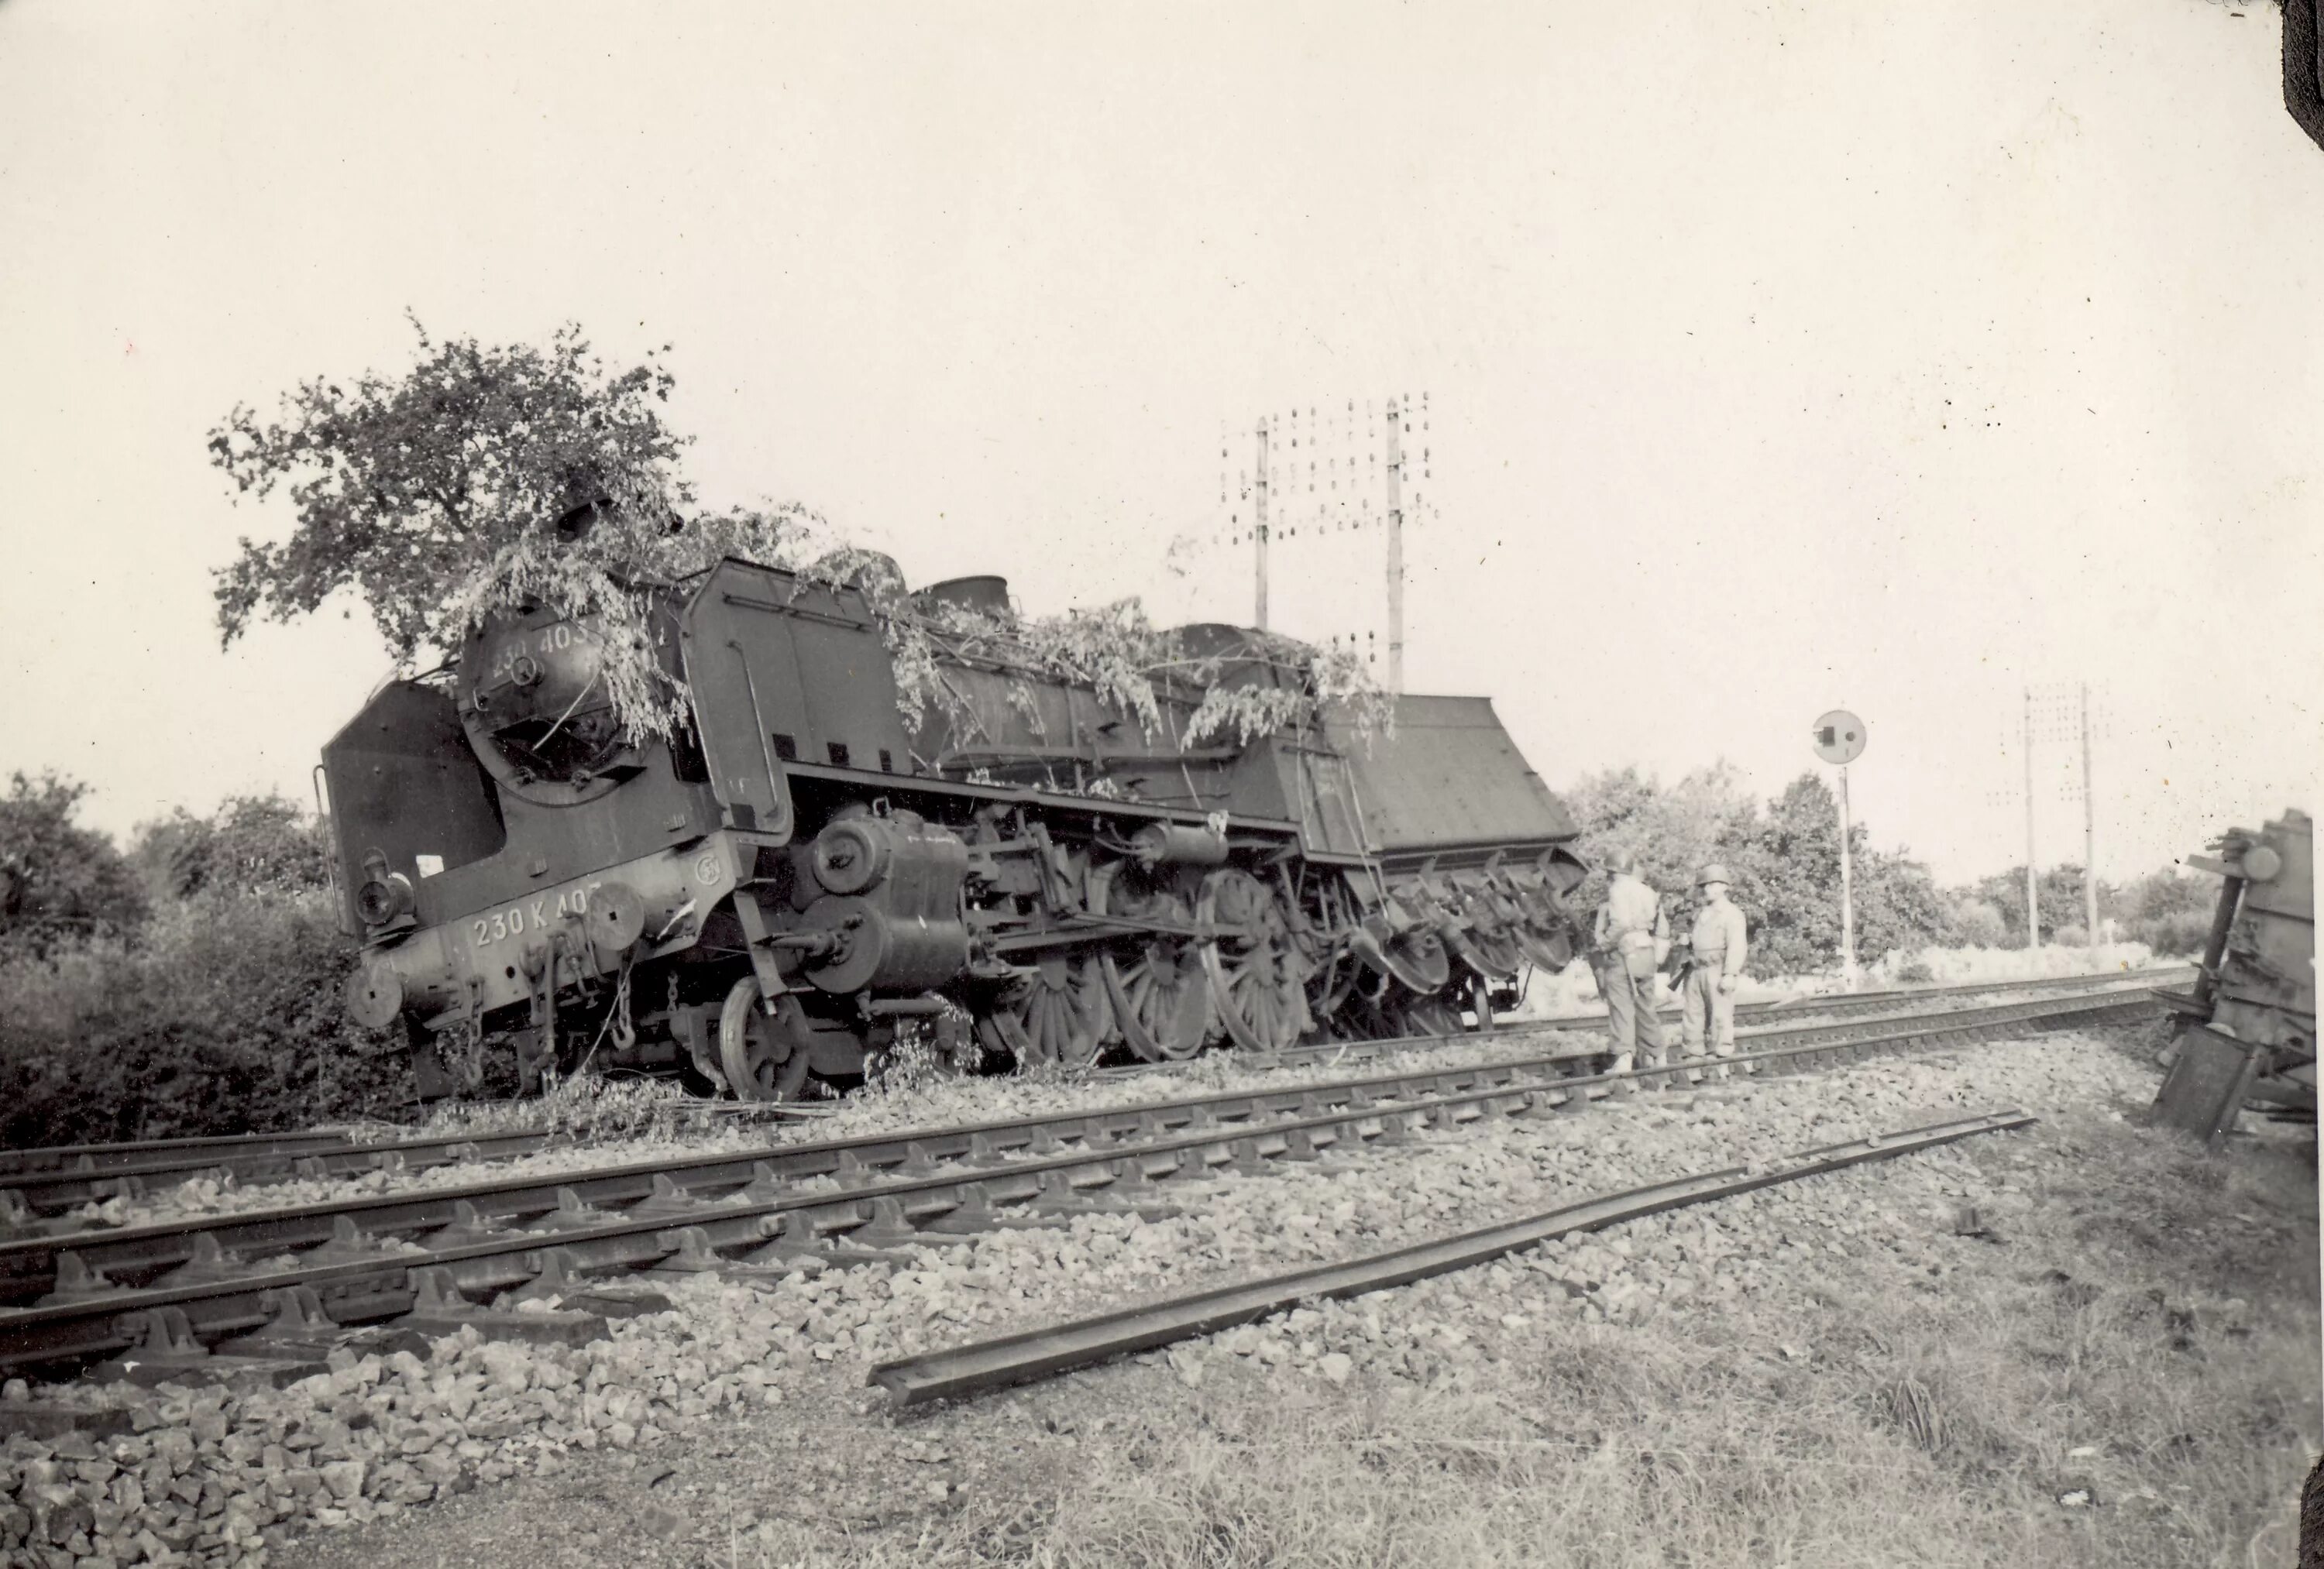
[
  {"x": 2090, "y": 837},
  {"x": 1395, "y": 548},
  {"x": 1846, "y": 894},
  {"x": 1259, "y": 533},
  {"x": 2033, "y": 904}
]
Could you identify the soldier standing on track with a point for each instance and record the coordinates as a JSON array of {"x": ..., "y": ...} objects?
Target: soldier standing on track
[
  {"x": 1633, "y": 935},
  {"x": 1708, "y": 997}
]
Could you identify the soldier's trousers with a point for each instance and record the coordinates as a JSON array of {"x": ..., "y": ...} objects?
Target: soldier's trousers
[
  {"x": 1630, "y": 1016},
  {"x": 1709, "y": 1016}
]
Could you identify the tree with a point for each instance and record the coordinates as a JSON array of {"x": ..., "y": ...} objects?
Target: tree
[
  {"x": 57, "y": 878},
  {"x": 1787, "y": 881},
  {"x": 252, "y": 845},
  {"x": 1973, "y": 921},
  {"x": 2170, "y": 911},
  {"x": 2057, "y": 896},
  {"x": 406, "y": 487},
  {"x": 1674, "y": 830}
]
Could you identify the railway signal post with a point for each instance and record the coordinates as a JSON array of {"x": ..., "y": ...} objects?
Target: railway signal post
[{"x": 1839, "y": 739}]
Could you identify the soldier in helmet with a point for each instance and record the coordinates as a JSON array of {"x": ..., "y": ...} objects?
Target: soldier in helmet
[
  {"x": 1709, "y": 996},
  {"x": 1633, "y": 935}
]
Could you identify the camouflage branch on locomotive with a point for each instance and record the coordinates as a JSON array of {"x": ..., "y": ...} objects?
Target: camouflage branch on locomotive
[{"x": 777, "y": 889}]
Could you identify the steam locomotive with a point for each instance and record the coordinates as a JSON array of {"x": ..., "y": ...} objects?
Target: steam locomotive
[{"x": 799, "y": 877}]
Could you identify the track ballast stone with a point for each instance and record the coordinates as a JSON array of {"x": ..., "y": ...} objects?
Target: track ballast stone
[{"x": 209, "y": 1476}]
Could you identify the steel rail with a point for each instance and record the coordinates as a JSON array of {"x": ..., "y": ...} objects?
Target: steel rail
[
  {"x": 1841, "y": 1007},
  {"x": 499, "y": 1236},
  {"x": 29, "y": 1265},
  {"x": 53, "y": 1179},
  {"x": 51, "y": 1191},
  {"x": 107, "y": 1156},
  {"x": 1845, "y": 1002},
  {"x": 1014, "y": 1359}
]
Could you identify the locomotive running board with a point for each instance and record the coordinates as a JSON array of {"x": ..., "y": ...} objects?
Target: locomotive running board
[{"x": 995, "y": 1363}]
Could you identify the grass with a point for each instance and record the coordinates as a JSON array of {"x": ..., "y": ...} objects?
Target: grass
[{"x": 582, "y": 1107}]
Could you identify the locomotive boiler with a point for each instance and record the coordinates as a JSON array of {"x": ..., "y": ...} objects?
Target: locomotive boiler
[{"x": 799, "y": 872}]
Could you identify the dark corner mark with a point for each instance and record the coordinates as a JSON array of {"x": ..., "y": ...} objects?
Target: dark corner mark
[{"x": 2303, "y": 67}]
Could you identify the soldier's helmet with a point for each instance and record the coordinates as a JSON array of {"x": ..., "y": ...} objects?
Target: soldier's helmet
[{"x": 1716, "y": 872}]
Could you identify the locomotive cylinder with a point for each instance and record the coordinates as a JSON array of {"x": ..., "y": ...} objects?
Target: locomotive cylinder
[
  {"x": 1177, "y": 844},
  {"x": 889, "y": 917},
  {"x": 868, "y": 948}
]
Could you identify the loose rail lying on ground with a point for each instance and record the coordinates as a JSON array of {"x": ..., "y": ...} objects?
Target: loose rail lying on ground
[
  {"x": 193, "y": 1283},
  {"x": 994, "y": 1363}
]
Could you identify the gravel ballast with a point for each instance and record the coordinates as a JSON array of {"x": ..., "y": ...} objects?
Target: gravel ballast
[{"x": 385, "y": 1440}]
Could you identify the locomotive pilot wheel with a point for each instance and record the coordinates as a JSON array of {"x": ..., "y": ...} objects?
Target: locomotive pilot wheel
[{"x": 765, "y": 1059}]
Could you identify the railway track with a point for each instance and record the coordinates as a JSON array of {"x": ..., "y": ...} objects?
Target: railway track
[
  {"x": 51, "y": 1181},
  {"x": 1844, "y": 1004},
  {"x": 263, "y": 1293},
  {"x": 1839, "y": 1006}
]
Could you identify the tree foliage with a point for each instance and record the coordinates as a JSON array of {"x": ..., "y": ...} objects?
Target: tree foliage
[
  {"x": 1784, "y": 858},
  {"x": 56, "y": 877},
  {"x": 223, "y": 1018},
  {"x": 1673, "y": 830},
  {"x": 252, "y": 844},
  {"x": 493, "y": 478},
  {"x": 406, "y": 487},
  {"x": 216, "y": 1012}
]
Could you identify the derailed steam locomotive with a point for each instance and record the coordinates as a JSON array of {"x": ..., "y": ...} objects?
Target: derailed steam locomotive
[{"x": 799, "y": 873}]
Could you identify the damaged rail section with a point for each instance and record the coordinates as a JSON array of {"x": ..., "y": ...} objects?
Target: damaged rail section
[{"x": 992, "y": 1364}]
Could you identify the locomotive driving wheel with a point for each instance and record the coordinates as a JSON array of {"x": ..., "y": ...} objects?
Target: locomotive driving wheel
[
  {"x": 1059, "y": 1015},
  {"x": 1254, "y": 970},
  {"x": 1160, "y": 993},
  {"x": 1489, "y": 943},
  {"x": 764, "y": 1058}
]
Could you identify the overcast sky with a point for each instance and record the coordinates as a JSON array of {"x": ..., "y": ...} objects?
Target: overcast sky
[{"x": 1780, "y": 357}]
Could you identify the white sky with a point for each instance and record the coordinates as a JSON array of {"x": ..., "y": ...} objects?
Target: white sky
[{"x": 1781, "y": 357}]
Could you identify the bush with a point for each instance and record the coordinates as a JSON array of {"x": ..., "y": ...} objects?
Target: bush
[
  {"x": 224, "y": 1016},
  {"x": 2178, "y": 933},
  {"x": 59, "y": 881},
  {"x": 1975, "y": 923}
]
